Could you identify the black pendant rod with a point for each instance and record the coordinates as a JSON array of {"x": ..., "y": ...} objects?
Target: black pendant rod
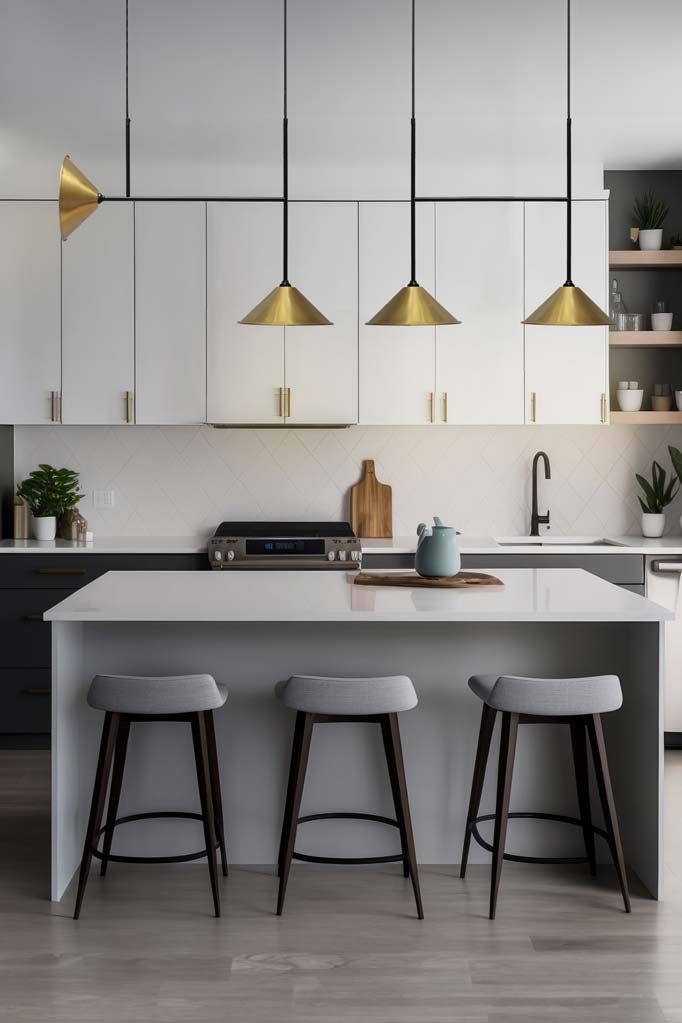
[
  {"x": 285, "y": 168},
  {"x": 569, "y": 157},
  {"x": 189, "y": 198},
  {"x": 413, "y": 172},
  {"x": 127, "y": 116}
]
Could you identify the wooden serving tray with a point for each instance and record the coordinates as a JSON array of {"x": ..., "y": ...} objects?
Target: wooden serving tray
[{"x": 454, "y": 582}]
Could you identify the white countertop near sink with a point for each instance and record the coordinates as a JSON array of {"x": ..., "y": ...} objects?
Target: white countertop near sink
[{"x": 528, "y": 595}]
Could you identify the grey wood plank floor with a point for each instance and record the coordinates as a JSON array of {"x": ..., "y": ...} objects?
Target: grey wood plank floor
[{"x": 349, "y": 947}]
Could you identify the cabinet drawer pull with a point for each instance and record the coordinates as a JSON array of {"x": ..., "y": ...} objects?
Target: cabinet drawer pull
[
  {"x": 603, "y": 408},
  {"x": 60, "y": 571},
  {"x": 33, "y": 618},
  {"x": 288, "y": 408},
  {"x": 445, "y": 406},
  {"x": 36, "y": 692},
  {"x": 130, "y": 410},
  {"x": 533, "y": 406},
  {"x": 432, "y": 408},
  {"x": 281, "y": 402}
]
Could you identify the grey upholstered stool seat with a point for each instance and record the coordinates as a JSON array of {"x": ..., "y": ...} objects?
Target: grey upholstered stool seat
[
  {"x": 319, "y": 700},
  {"x": 558, "y": 697},
  {"x": 575, "y": 702},
  {"x": 170, "y": 694},
  {"x": 315, "y": 694},
  {"x": 138, "y": 699}
]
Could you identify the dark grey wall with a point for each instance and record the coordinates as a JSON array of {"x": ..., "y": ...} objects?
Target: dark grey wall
[{"x": 6, "y": 482}]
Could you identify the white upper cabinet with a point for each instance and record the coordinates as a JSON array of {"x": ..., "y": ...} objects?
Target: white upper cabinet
[
  {"x": 30, "y": 346},
  {"x": 566, "y": 367},
  {"x": 479, "y": 279},
  {"x": 245, "y": 364},
  {"x": 98, "y": 356},
  {"x": 170, "y": 312},
  {"x": 321, "y": 363},
  {"x": 397, "y": 364}
]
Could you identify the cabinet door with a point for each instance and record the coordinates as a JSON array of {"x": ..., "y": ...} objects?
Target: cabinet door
[
  {"x": 30, "y": 345},
  {"x": 397, "y": 364},
  {"x": 98, "y": 348},
  {"x": 170, "y": 312},
  {"x": 321, "y": 363},
  {"x": 245, "y": 371},
  {"x": 479, "y": 279},
  {"x": 566, "y": 367}
]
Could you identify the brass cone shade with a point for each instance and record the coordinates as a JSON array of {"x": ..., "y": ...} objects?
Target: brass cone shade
[
  {"x": 285, "y": 306},
  {"x": 78, "y": 198},
  {"x": 412, "y": 306},
  {"x": 568, "y": 306}
]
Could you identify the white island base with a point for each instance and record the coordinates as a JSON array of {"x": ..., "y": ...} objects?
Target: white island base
[{"x": 250, "y": 629}]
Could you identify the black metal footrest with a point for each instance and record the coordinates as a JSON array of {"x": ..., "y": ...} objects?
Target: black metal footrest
[
  {"x": 348, "y": 859},
  {"x": 150, "y": 859},
  {"x": 473, "y": 827}
]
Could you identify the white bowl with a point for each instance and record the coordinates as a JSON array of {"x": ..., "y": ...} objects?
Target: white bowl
[
  {"x": 630, "y": 400},
  {"x": 661, "y": 321}
]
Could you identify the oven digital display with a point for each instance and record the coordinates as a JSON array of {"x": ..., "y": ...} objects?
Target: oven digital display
[{"x": 285, "y": 547}]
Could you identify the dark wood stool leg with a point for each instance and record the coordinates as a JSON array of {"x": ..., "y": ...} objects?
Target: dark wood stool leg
[
  {"x": 206, "y": 798},
  {"x": 397, "y": 756},
  {"x": 510, "y": 723},
  {"x": 395, "y": 789},
  {"x": 298, "y": 769},
  {"x": 601, "y": 766},
  {"x": 483, "y": 749},
  {"x": 582, "y": 782},
  {"x": 99, "y": 792},
  {"x": 286, "y": 821},
  {"x": 214, "y": 770},
  {"x": 115, "y": 791}
]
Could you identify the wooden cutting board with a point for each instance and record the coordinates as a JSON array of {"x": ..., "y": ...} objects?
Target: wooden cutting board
[
  {"x": 371, "y": 505},
  {"x": 455, "y": 582}
]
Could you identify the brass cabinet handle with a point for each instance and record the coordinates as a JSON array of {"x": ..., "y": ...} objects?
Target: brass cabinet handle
[
  {"x": 36, "y": 692},
  {"x": 533, "y": 406},
  {"x": 53, "y": 407},
  {"x": 130, "y": 407},
  {"x": 432, "y": 408},
  {"x": 445, "y": 406},
  {"x": 280, "y": 394},
  {"x": 288, "y": 408},
  {"x": 33, "y": 618},
  {"x": 603, "y": 408},
  {"x": 60, "y": 571}
]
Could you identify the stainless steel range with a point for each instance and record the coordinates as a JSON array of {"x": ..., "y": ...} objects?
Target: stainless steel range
[{"x": 292, "y": 545}]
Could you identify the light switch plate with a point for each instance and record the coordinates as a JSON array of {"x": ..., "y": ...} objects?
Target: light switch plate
[{"x": 103, "y": 498}]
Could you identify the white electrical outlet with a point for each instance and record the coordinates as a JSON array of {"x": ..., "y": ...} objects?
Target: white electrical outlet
[{"x": 103, "y": 498}]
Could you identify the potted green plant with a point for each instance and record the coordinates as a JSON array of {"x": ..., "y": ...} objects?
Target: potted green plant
[
  {"x": 650, "y": 213},
  {"x": 676, "y": 459},
  {"x": 657, "y": 495},
  {"x": 49, "y": 492}
]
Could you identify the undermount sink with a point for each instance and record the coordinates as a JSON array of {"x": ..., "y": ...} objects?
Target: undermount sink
[{"x": 555, "y": 541}]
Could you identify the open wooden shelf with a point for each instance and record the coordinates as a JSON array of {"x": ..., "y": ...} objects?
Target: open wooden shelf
[
  {"x": 647, "y": 418},
  {"x": 645, "y": 339},
  {"x": 635, "y": 259}
]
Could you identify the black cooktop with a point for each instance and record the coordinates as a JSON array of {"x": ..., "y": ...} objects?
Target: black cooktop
[{"x": 281, "y": 529}]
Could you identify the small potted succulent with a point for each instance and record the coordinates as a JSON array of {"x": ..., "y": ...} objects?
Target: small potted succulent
[
  {"x": 657, "y": 495},
  {"x": 49, "y": 492},
  {"x": 650, "y": 213}
]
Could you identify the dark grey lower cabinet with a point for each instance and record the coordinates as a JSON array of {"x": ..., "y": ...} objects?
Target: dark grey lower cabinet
[{"x": 29, "y": 585}]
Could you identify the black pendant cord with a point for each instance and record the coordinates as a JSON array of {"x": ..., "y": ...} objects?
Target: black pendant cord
[
  {"x": 413, "y": 171},
  {"x": 127, "y": 116},
  {"x": 569, "y": 155},
  {"x": 285, "y": 169}
]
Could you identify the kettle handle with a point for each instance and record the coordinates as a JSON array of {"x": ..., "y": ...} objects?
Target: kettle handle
[{"x": 420, "y": 528}]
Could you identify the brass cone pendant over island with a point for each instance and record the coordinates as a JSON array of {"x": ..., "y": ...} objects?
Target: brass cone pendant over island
[
  {"x": 568, "y": 306},
  {"x": 285, "y": 306},
  {"x": 78, "y": 198},
  {"x": 412, "y": 306}
]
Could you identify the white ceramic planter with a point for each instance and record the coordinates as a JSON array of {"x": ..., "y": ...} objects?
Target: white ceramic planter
[
  {"x": 661, "y": 321},
  {"x": 652, "y": 239},
  {"x": 45, "y": 527},
  {"x": 653, "y": 525}
]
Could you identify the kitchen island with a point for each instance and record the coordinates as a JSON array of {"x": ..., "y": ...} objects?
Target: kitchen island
[{"x": 249, "y": 629}]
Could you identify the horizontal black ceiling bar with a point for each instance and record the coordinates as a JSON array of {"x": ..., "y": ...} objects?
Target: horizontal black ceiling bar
[
  {"x": 491, "y": 198},
  {"x": 279, "y": 198},
  {"x": 191, "y": 198}
]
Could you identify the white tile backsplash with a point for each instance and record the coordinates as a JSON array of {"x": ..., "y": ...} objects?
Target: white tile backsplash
[{"x": 172, "y": 481}]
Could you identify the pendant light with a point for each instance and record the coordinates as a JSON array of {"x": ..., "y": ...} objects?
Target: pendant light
[
  {"x": 412, "y": 306},
  {"x": 285, "y": 306},
  {"x": 568, "y": 306}
]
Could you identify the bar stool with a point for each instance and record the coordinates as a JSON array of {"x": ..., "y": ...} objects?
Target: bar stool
[
  {"x": 320, "y": 700},
  {"x": 576, "y": 702},
  {"x": 131, "y": 698}
]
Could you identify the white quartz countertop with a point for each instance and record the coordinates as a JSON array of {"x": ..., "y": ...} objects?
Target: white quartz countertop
[
  {"x": 528, "y": 595},
  {"x": 545, "y": 544}
]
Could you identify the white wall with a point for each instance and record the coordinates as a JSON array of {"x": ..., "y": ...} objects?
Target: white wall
[{"x": 181, "y": 481}]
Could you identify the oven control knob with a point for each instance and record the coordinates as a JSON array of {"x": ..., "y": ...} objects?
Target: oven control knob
[
  {"x": 218, "y": 555},
  {"x": 331, "y": 556},
  {"x": 342, "y": 555},
  {"x": 230, "y": 555}
]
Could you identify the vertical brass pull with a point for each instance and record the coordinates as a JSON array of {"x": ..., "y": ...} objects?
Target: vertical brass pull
[
  {"x": 432, "y": 408},
  {"x": 54, "y": 406},
  {"x": 288, "y": 408},
  {"x": 533, "y": 406},
  {"x": 130, "y": 409},
  {"x": 445, "y": 406},
  {"x": 603, "y": 408},
  {"x": 280, "y": 393}
]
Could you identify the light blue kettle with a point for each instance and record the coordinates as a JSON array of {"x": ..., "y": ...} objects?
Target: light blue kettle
[{"x": 437, "y": 550}]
